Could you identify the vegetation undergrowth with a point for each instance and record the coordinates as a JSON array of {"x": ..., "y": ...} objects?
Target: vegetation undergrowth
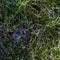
[{"x": 29, "y": 30}]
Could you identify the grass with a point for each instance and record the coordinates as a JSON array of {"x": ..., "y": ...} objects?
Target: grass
[{"x": 36, "y": 25}]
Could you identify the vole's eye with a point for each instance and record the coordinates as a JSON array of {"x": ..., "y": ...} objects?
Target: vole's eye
[{"x": 10, "y": 33}]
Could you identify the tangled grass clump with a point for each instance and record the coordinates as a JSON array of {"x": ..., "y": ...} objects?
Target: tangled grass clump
[{"x": 30, "y": 30}]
